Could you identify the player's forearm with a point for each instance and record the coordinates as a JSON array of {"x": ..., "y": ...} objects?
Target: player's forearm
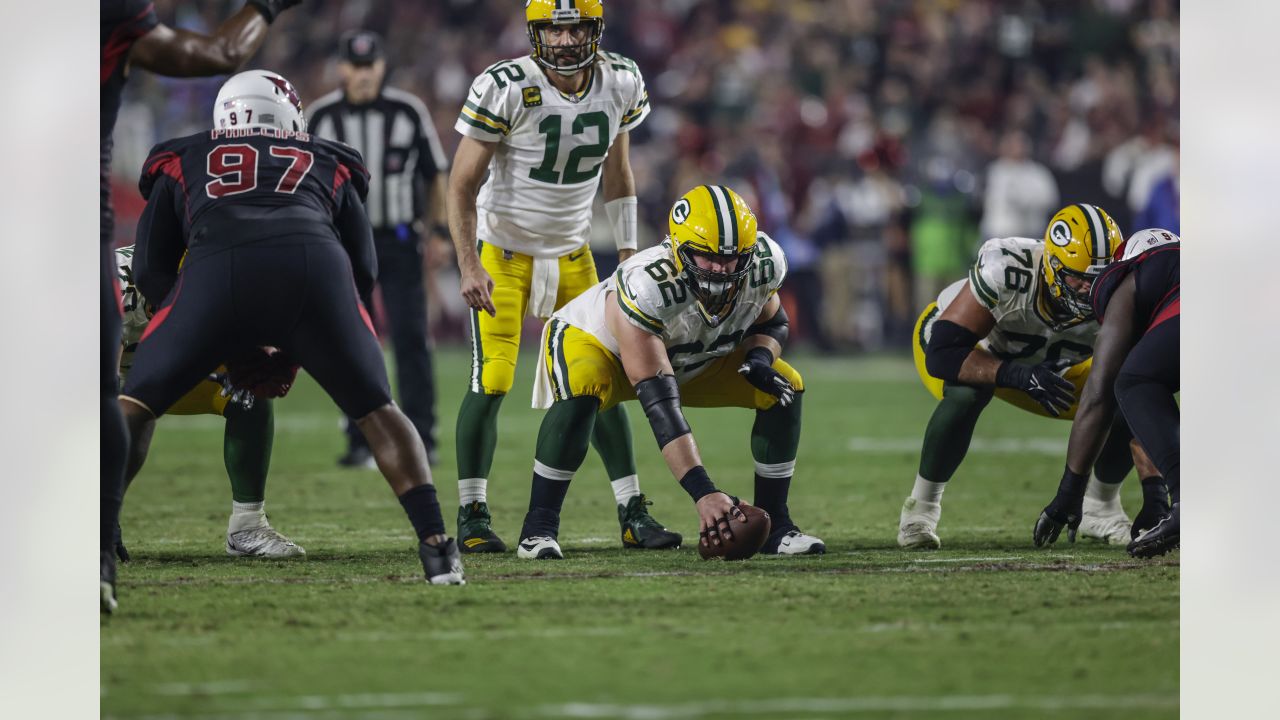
[
  {"x": 1093, "y": 419},
  {"x": 462, "y": 224},
  {"x": 183, "y": 53},
  {"x": 681, "y": 456},
  {"x": 979, "y": 368}
]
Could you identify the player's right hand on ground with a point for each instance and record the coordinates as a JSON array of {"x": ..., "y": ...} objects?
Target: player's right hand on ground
[
  {"x": 714, "y": 511},
  {"x": 1054, "y": 393},
  {"x": 758, "y": 370},
  {"x": 477, "y": 289},
  {"x": 1066, "y": 510}
]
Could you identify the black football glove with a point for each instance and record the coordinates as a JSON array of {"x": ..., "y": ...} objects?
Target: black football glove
[
  {"x": 1155, "y": 506},
  {"x": 758, "y": 370},
  {"x": 1066, "y": 510},
  {"x": 271, "y": 9},
  {"x": 1045, "y": 386}
]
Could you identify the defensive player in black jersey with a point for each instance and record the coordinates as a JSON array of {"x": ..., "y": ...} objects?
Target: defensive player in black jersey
[
  {"x": 1138, "y": 301},
  {"x": 255, "y": 236},
  {"x": 132, "y": 35}
]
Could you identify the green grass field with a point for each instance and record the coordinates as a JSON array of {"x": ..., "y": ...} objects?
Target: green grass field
[{"x": 988, "y": 627}]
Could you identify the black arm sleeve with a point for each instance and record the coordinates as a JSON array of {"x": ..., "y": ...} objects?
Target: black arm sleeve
[
  {"x": 949, "y": 346},
  {"x": 357, "y": 238},
  {"x": 777, "y": 327},
  {"x": 159, "y": 243},
  {"x": 1097, "y": 401}
]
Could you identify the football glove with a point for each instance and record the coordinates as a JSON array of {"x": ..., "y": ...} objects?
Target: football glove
[
  {"x": 1041, "y": 382},
  {"x": 758, "y": 370},
  {"x": 1066, "y": 510},
  {"x": 264, "y": 372},
  {"x": 271, "y": 9},
  {"x": 243, "y": 398}
]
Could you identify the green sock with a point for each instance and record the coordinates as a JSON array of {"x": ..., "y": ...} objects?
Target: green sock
[
  {"x": 565, "y": 432},
  {"x": 775, "y": 435},
  {"x": 946, "y": 439},
  {"x": 477, "y": 434},
  {"x": 246, "y": 449},
  {"x": 612, "y": 439}
]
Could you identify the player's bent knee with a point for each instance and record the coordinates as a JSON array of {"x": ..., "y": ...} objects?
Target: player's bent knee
[
  {"x": 966, "y": 395},
  {"x": 790, "y": 373},
  {"x": 498, "y": 377},
  {"x": 134, "y": 406}
]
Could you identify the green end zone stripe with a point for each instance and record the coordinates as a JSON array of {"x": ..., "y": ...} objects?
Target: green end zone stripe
[
  {"x": 479, "y": 125},
  {"x": 985, "y": 293}
]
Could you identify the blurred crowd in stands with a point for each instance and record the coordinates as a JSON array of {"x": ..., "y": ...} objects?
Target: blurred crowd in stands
[{"x": 879, "y": 141}]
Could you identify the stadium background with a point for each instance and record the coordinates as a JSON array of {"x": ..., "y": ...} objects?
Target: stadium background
[{"x": 878, "y": 141}]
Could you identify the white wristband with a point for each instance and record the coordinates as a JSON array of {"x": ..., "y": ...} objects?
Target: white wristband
[{"x": 622, "y": 218}]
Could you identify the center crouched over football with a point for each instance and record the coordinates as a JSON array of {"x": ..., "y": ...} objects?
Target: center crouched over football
[{"x": 749, "y": 535}]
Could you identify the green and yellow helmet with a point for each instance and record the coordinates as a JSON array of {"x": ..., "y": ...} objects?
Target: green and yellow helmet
[
  {"x": 542, "y": 14},
  {"x": 1080, "y": 242},
  {"x": 713, "y": 243}
]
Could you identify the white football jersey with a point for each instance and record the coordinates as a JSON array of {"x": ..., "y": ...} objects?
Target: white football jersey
[
  {"x": 545, "y": 171},
  {"x": 654, "y": 299},
  {"x": 135, "y": 315},
  {"x": 1006, "y": 280}
]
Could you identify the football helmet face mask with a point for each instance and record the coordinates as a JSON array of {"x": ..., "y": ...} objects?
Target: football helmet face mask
[
  {"x": 713, "y": 243},
  {"x": 584, "y": 18},
  {"x": 258, "y": 98},
  {"x": 1080, "y": 242}
]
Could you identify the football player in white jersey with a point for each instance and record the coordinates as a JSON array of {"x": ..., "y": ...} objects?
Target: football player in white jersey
[
  {"x": 548, "y": 128},
  {"x": 695, "y": 320},
  {"x": 1020, "y": 328},
  {"x": 247, "y": 439}
]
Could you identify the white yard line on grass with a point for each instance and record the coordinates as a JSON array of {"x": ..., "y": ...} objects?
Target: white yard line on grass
[{"x": 312, "y": 706}]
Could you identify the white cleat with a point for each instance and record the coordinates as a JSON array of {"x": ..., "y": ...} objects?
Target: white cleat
[
  {"x": 1105, "y": 521},
  {"x": 263, "y": 542},
  {"x": 918, "y": 525},
  {"x": 796, "y": 542},
  {"x": 540, "y": 547}
]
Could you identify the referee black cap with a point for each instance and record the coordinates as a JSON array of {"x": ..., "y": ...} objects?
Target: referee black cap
[{"x": 361, "y": 47}]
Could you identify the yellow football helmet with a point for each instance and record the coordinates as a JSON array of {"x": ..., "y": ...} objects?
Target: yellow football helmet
[
  {"x": 713, "y": 243},
  {"x": 1080, "y": 242},
  {"x": 542, "y": 14}
]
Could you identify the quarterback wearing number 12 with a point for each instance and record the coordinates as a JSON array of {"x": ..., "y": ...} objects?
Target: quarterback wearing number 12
[{"x": 547, "y": 127}]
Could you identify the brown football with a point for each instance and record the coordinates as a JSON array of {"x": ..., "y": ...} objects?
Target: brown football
[{"x": 748, "y": 536}]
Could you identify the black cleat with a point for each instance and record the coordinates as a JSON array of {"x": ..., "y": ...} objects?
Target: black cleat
[
  {"x": 1160, "y": 539},
  {"x": 107, "y": 584},
  {"x": 641, "y": 531},
  {"x": 442, "y": 563},
  {"x": 475, "y": 530}
]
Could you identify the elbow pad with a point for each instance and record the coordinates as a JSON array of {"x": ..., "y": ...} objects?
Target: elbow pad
[
  {"x": 948, "y": 347},
  {"x": 777, "y": 327},
  {"x": 660, "y": 398}
]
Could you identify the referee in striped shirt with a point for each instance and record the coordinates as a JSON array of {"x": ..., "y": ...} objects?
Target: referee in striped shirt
[{"x": 408, "y": 171}]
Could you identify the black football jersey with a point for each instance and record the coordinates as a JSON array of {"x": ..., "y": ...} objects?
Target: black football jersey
[
  {"x": 1157, "y": 278},
  {"x": 123, "y": 22},
  {"x": 238, "y": 185}
]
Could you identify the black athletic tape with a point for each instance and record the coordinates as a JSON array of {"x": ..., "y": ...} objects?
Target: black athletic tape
[
  {"x": 697, "y": 483},
  {"x": 948, "y": 348},
  {"x": 660, "y": 398},
  {"x": 777, "y": 327}
]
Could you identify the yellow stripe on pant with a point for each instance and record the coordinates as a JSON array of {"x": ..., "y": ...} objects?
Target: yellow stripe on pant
[
  {"x": 1077, "y": 374},
  {"x": 578, "y": 365}
]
